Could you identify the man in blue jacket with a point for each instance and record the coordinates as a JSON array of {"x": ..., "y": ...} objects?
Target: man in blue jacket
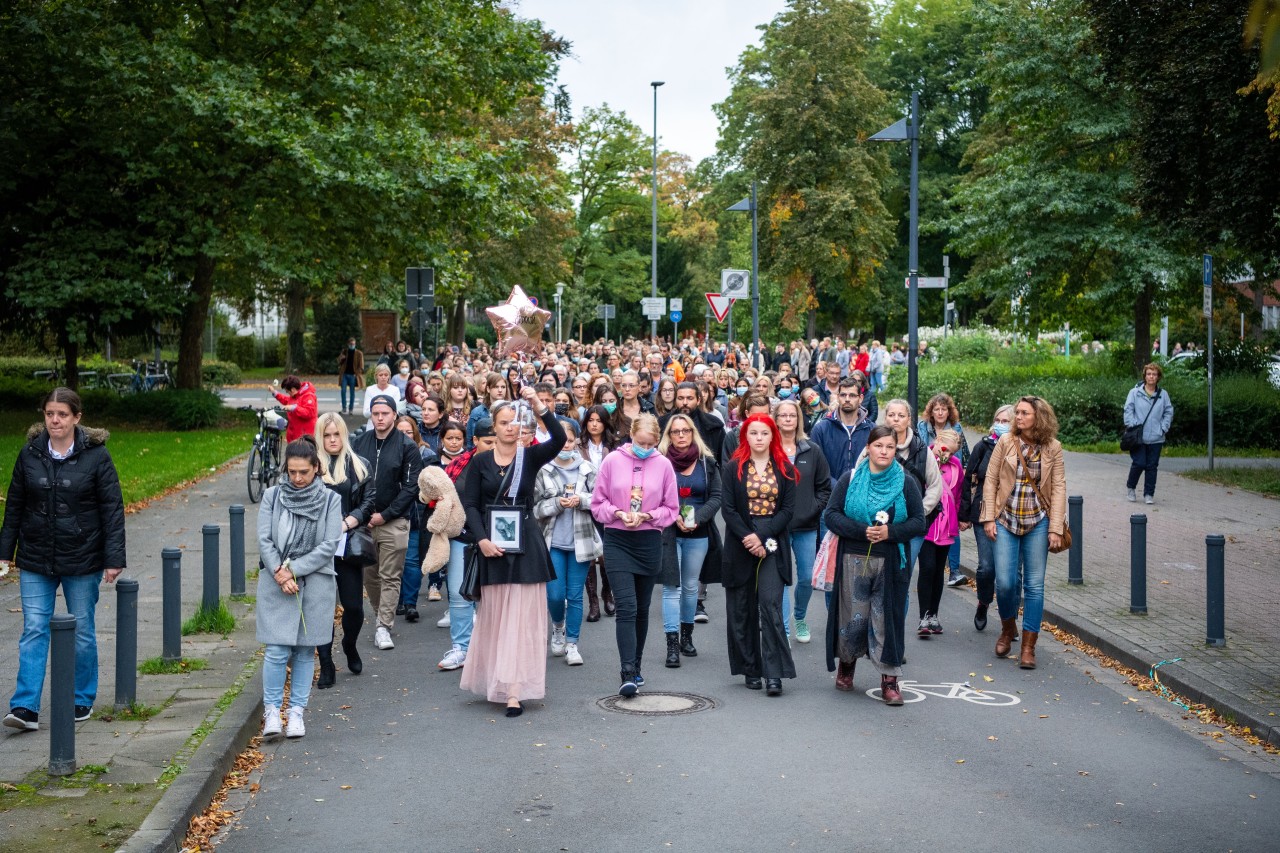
[{"x": 842, "y": 435}]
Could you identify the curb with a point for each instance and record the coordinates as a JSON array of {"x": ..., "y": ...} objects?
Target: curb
[{"x": 165, "y": 828}]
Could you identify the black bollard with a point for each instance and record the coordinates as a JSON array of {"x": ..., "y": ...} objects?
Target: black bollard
[
  {"x": 1137, "y": 563},
  {"x": 62, "y": 695},
  {"x": 126, "y": 643},
  {"x": 209, "y": 599},
  {"x": 172, "y": 605},
  {"x": 1215, "y": 589},
  {"x": 1075, "y": 555},
  {"x": 237, "y": 549}
]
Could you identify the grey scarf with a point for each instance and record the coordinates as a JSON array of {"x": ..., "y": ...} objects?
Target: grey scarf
[{"x": 305, "y": 507}]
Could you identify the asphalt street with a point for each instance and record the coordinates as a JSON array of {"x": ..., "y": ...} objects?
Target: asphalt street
[{"x": 1067, "y": 755}]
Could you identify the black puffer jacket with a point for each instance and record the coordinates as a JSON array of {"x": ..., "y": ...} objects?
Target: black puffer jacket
[
  {"x": 975, "y": 475},
  {"x": 64, "y": 517}
]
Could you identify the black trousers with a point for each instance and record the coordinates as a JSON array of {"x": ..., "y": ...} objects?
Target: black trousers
[
  {"x": 351, "y": 597},
  {"x": 933, "y": 571},
  {"x": 630, "y": 557},
  {"x": 753, "y": 618}
]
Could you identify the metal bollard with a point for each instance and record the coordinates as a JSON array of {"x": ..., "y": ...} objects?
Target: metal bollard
[
  {"x": 209, "y": 599},
  {"x": 1215, "y": 589},
  {"x": 172, "y": 605},
  {"x": 126, "y": 643},
  {"x": 1137, "y": 563},
  {"x": 62, "y": 695},
  {"x": 237, "y": 549},
  {"x": 1075, "y": 555}
]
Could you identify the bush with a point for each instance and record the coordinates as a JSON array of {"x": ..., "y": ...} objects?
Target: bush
[
  {"x": 241, "y": 350},
  {"x": 22, "y": 394},
  {"x": 178, "y": 410},
  {"x": 23, "y": 367},
  {"x": 216, "y": 374},
  {"x": 972, "y": 347}
]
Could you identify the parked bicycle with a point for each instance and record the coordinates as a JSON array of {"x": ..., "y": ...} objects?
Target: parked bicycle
[
  {"x": 146, "y": 376},
  {"x": 264, "y": 458}
]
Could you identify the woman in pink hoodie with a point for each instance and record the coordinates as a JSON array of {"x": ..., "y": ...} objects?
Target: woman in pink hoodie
[
  {"x": 942, "y": 532},
  {"x": 635, "y": 498}
]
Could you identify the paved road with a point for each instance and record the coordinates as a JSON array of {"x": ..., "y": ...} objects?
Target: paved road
[{"x": 1076, "y": 759}]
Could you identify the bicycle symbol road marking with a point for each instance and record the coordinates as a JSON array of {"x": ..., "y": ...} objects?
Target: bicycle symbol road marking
[{"x": 913, "y": 691}]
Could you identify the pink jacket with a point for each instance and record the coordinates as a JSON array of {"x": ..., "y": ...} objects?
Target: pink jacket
[
  {"x": 619, "y": 472},
  {"x": 946, "y": 524}
]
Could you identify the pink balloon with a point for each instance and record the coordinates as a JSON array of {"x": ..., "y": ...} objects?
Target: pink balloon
[{"x": 518, "y": 323}]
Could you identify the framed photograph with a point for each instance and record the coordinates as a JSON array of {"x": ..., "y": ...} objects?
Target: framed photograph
[{"x": 506, "y": 528}]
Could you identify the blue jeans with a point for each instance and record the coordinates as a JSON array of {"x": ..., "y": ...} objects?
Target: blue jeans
[
  {"x": 953, "y": 558},
  {"x": 1032, "y": 548},
  {"x": 804, "y": 548},
  {"x": 81, "y": 595},
  {"x": 913, "y": 553},
  {"x": 347, "y": 390},
  {"x": 462, "y": 613},
  {"x": 1144, "y": 459},
  {"x": 302, "y": 659},
  {"x": 986, "y": 574},
  {"x": 564, "y": 593},
  {"x": 411, "y": 580},
  {"x": 680, "y": 603}
]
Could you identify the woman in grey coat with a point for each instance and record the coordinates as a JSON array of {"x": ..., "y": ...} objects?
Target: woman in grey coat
[
  {"x": 1148, "y": 406},
  {"x": 299, "y": 527}
]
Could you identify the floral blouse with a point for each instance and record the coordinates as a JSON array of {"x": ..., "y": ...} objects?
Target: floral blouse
[{"x": 762, "y": 490}]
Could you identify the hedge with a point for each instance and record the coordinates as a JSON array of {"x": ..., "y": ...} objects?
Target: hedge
[
  {"x": 1090, "y": 406},
  {"x": 171, "y": 409},
  {"x": 215, "y": 374}
]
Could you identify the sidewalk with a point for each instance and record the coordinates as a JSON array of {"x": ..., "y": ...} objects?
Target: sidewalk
[
  {"x": 138, "y": 753},
  {"x": 1240, "y": 680}
]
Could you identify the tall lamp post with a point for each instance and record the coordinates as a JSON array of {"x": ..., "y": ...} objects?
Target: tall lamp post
[
  {"x": 749, "y": 204},
  {"x": 653, "y": 254},
  {"x": 908, "y": 129},
  {"x": 560, "y": 312}
]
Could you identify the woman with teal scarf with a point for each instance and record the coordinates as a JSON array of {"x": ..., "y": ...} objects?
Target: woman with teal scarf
[{"x": 875, "y": 510}]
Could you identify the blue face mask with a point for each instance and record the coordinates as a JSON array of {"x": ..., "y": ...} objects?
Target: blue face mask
[
  {"x": 567, "y": 455},
  {"x": 642, "y": 452},
  {"x": 999, "y": 429},
  {"x": 742, "y": 390},
  {"x": 609, "y": 407},
  {"x": 784, "y": 393}
]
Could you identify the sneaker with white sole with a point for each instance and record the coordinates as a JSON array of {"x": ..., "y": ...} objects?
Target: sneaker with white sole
[
  {"x": 23, "y": 719},
  {"x": 802, "y": 631},
  {"x": 1149, "y": 499},
  {"x": 270, "y": 721},
  {"x": 382, "y": 638},
  {"x": 1131, "y": 495},
  {"x": 700, "y": 614},
  {"x": 455, "y": 658},
  {"x": 923, "y": 632},
  {"x": 558, "y": 642},
  {"x": 295, "y": 727},
  {"x": 935, "y": 627},
  {"x": 444, "y": 621},
  {"x": 957, "y": 580},
  {"x": 571, "y": 655}
]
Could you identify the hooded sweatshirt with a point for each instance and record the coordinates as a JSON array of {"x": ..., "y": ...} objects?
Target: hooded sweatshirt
[{"x": 620, "y": 473}]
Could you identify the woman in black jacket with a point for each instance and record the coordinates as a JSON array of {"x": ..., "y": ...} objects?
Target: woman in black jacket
[
  {"x": 64, "y": 516},
  {"x": 347, "y": 474},
  {"x": 975, "y": 474},
  {"x": 812, "y": 493}
]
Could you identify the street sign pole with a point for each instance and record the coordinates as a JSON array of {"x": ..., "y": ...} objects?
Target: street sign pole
[
  {"x": 946, "y": 295},
  {"x": 1208, "y": 313}
]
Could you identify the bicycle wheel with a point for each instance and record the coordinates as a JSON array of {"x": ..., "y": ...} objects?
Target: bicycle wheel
[
  {"x": 254, "y": 474},
  {"x": 988, "y": 697}
]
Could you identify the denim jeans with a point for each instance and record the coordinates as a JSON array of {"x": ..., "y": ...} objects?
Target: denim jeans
[
  {"x": 81, "y": 595},
  {"x": 347, "y": 390},
  {"x": 633, "y": 594},
  {"x": 1144, "y": 459},
  {"x": 804, "y": 549},
  {"x": 462, "y": 613},
  {"x": 1032, "y": 548},
  {"x": 913, "y": 552},
  {"x": 680, "y": 603},
  {"x": 302, "y": 660},
  {"x": 953, "y": 559},
  {"x": 564, "y": 593},
  {"x": 411, "y": 581},
  {"x": 986, "y": 573}
]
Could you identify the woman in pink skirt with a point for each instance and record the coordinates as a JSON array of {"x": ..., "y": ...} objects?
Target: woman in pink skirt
[{"x": 507, "y": 660}]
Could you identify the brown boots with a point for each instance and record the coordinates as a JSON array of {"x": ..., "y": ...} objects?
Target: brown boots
[
  {"x": 844, "y": 675},
  {"x": 1028, "y": 657},
  {"x": 1008, "y": 633},
  {"x": 593, "y": 600}
]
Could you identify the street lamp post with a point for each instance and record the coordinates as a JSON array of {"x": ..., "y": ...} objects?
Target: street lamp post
[
  {"x": 560, "y": 312},
  {"x": 908, "y": 129},
  {"x": 653, "y": 254},
  {"x": 749, "y": 204}
]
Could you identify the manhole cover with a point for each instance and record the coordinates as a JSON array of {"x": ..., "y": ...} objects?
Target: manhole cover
[{"x": 658, "y": 704}]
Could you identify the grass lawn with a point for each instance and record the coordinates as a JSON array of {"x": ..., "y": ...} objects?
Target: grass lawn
[
  {"x": 1265, "y": 481},
  {"x": 149, "y": 463},
  {"x": 1180, "y": 450}
]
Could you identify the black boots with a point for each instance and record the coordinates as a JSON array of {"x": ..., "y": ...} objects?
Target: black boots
[
  {"x": 354, "y": 664},
  {"x": 673, "y": 649},
  {"x": 328, "y": 675},
  {"x": 686, "y": 640}
]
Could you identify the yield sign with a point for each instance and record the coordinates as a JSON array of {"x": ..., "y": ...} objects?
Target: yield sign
[{"x": 719, "y": 306}]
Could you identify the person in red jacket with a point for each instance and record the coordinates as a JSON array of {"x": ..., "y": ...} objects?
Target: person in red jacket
[{"x": 299, "y": 401}]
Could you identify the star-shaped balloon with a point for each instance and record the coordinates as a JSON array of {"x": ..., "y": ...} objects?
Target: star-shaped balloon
[{"x": 518, "y": 323}]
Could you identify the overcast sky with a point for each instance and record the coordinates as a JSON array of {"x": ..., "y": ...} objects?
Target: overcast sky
[{"x": 620, "y": 46}]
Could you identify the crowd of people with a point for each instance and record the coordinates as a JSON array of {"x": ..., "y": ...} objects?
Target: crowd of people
[{"x": 538, "y": 493}]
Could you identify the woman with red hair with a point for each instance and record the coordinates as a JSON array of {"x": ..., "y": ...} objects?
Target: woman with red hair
[{"x": 758, "y": 502}]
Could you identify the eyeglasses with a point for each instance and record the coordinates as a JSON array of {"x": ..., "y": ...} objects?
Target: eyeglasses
[{"x": 684, "y": 431}]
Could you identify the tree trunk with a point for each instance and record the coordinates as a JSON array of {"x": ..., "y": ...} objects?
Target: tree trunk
[
  {"x": 811, "y": 325},
  {"x": 191, "y": 333},
  {"x": 1142, "y": 328},
  {"x": 458, "y": 321},
  {"x": 1258, "y": 303},
  {"x": 295, "y": 313},
  {"x": 71, "y": 362}
]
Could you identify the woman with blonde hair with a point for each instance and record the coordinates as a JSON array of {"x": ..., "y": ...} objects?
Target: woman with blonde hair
[
  {"x": 348, "y": 475},
  {"x": 457, "y": 398},
  {"x": 1024, "y": 509}
]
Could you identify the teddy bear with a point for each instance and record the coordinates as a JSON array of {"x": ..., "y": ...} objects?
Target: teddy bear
[{"x": 448, "y": 519}]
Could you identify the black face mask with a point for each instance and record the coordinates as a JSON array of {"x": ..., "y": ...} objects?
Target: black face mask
[{"x": 562, "y": 408}]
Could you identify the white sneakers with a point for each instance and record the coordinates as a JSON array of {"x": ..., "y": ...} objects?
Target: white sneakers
[
  {"x": 444, "y": 621},
  {"x": 571, "y": 655},
  {"x": 295, "y": 728},
  {"x": 270, "y": 721},
  {"x": 558, "y": 643},
  {"x": 455, "y": 658},
  {"x": 382, "y": 638},
  {"x": 1131, "y": 495}
]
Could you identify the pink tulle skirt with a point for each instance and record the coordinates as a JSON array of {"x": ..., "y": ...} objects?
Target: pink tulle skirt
[{"x": 508, "y": 654}]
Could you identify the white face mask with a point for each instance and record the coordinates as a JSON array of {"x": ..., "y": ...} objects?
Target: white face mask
[{"x": 404, "y": 371}]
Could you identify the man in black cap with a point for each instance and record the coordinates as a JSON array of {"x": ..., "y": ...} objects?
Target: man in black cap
[{"x": 396, "y": 465}]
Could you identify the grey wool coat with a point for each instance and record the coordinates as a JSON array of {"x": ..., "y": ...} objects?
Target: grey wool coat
[{"x": 278, "y": 616}]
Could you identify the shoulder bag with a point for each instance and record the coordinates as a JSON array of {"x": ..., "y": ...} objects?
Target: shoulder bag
[
  {"x": 1044, "y": 504},
  {"x": 1132, "y": 436},
  {"x": 471, "y": 586}
]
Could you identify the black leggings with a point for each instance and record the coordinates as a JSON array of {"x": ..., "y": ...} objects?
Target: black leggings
[
  {"x": 351, "y": 597},
  {"x": 630, "y": 556},
  {"x": 933, "y": 570}
]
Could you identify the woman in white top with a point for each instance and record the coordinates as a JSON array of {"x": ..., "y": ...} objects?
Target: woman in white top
[{"x": 381, "y": 385}]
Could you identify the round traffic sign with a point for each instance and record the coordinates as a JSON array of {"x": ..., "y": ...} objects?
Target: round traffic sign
[{"x": 675, "y": 316}]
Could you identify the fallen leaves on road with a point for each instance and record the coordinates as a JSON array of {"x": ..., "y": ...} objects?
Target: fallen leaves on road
[{"x": 205, "y": 825}]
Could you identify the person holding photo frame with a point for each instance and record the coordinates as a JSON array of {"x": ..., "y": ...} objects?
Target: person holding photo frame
[{"x": 507, "y": 661}]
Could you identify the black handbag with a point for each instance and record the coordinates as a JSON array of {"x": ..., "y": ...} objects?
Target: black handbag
[
  {"x": 360, "y": 547},
  {"x": 470, "y": 587},
  {"x": 1132, "y": 436}
]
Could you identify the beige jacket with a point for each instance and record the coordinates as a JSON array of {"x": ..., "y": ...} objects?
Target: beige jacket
[{"x": 1002, "y": 473}]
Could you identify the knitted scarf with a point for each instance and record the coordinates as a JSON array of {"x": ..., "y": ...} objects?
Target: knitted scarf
[
  {"x": 870, "y": 493},
  {"x": 305, "y": 507},
  {"x": 682, "y": 459}
]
